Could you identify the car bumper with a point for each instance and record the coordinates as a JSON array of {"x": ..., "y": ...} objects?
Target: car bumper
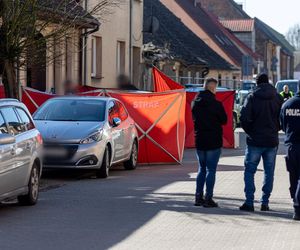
[{"x": 79, "y": 156}]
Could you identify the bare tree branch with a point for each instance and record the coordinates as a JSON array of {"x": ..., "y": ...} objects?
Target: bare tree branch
[
  {"x": 293, "y": 36},
  {"x": 27, "y": 27}
]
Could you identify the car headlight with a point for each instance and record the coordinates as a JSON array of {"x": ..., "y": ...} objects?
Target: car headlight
[{"x": 95, "y": 137}]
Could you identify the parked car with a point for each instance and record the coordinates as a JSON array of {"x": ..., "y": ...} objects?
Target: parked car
[
  {"x": 20, "y": 152},
  {"x": 248, "y": 85},
  {"x": 90, "y": 133},
  {"x": 293, "y": 85},
  {"x": 240, "y": 98}
]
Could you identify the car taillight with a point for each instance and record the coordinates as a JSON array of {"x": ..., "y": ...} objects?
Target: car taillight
[{"x": 40, "y": 139}]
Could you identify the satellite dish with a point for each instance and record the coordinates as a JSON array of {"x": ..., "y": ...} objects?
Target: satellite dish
[{"x": 151, "y": 25}]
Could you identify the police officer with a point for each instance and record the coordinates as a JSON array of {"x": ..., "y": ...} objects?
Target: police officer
[
  {"x": 286, "y": 93},
  {"x": 290, "y": 121}
]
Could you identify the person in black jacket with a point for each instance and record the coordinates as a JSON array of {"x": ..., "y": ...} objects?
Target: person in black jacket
[
  {"x": 260, "y": 120},
  {"x": 209, "y": 116},
  {"x": 290, "y": 122}
]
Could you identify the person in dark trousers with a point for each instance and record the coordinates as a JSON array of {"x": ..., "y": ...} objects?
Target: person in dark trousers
[
  {"x": 209, "y": 116},
  {"x": 260, "y": 120},
  {"x": 290, "y": 121}
]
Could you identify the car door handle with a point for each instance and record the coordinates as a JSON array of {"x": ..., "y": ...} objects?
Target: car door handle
[
  {"x": 28, "y": 145},
  {"x": 13, "y": 151}
]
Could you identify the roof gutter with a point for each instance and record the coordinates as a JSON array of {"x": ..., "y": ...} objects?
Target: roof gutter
[
  {"x": 85, "y": 37},
  {"x": 87, "y": 33}
]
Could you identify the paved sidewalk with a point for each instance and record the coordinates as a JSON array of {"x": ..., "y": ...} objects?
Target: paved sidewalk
[
  {"x": 152, "y": 208},
  {"x": 180, "y": 226}
]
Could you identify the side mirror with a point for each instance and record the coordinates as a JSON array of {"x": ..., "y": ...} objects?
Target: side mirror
[
  {"x": 7, "y": 139},
  {"x": 116, "y": 122}
]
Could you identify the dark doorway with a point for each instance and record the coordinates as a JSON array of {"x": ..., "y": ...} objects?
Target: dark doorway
[{"x": 36, "y": 64}]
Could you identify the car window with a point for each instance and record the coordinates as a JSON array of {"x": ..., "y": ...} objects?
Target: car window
[
  {"x": 123, "y": 115},
  {"x": 113, "y": 112},
  {"x": 15, "y": 126},
  {"x": 81, "y": 110},
  {"x": 3, "y": 127},
  {"x": 26, "y": 120},
  {"x": 293, "y": 86}
]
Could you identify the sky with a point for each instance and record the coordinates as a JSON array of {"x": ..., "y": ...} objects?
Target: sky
[{"x": 280, "y": 15}]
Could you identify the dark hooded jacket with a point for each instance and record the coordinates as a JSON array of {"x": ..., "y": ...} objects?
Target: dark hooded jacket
[
  {"x": 260, "y": 116},
  {"x": 209, "y": 116},
  {"x": 290, "y": 120}
]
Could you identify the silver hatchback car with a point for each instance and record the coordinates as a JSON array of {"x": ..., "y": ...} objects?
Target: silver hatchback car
[
  {"x": 20, "y": 153},
  {"x": 87, "y": 133}
]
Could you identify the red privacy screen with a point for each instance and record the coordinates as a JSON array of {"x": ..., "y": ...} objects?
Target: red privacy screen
[
  {"x": 159, "y": 117},
  {"x": 164, "y": 83}
]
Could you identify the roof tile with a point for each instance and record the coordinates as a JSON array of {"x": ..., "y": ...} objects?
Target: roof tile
[
  {"x": 241, "y": 25},
  {"x": 184, "y": 44}
]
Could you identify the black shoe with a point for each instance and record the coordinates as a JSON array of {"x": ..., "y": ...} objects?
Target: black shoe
[
  {"x": 296, "y": 217},
  {"x": 264, "y": 208},
  {"x": 296, "y": 213},
  {"x": 199, "y": 201},
  {"x": 210, "y": 203},
  {"x": 247, "y": 208}
]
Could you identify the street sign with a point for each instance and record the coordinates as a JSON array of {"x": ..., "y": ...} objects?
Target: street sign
[{"x": 247, "y": 65}]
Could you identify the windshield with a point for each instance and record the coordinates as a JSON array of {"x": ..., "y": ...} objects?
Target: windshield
[
  {"x": 292, "y": 86},
  {"x": 72, "y": 110}
]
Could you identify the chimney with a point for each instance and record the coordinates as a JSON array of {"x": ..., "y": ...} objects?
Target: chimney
[
  {"x": 241, "y": 6},
  {"x": 197, "y": 2}
]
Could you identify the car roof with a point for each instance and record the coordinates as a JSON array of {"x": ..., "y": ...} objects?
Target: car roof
[
  {"x": 10, "y": 101},
  {"x": 100, "y": 98},
  {"x": 288, "y": 81},
  {"x": 249, "y": 81}
]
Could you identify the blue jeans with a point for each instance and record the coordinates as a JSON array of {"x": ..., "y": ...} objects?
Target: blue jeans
[
  {"x": 208, "y": 162},
  {"x": 252, "y": 159}
]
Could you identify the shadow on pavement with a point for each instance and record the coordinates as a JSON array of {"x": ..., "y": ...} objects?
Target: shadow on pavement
[{"x": 98, "y": 214}]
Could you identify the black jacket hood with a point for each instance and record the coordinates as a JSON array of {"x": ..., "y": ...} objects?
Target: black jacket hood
[{"x": 265, "y": 91}]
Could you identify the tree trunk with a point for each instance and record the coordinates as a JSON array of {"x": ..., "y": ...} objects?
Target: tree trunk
[{"x": 10, "y": 83}]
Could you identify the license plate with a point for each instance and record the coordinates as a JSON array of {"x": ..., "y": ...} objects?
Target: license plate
[{"x": 55, "y": 152}]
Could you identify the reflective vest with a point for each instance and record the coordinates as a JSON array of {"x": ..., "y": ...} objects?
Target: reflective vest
[{"x": 284, "y": 95}]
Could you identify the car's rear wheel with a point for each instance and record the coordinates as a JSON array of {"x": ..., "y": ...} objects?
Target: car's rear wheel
[
  {"x": 132, "y": 162},
  {"x": 103, "y": 172},
  {"x": 31, "y": 197}
]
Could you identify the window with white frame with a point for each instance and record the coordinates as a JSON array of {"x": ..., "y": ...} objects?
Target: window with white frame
[
  {"x": 96, "y": 57},
  {"x": 120, "y": 57}
]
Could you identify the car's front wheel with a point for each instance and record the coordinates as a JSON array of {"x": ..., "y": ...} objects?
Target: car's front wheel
[
  {"x": 103, "y": 172},
  {"x": 132, "y": 162},
  {"x": 31, "y": 197}
]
